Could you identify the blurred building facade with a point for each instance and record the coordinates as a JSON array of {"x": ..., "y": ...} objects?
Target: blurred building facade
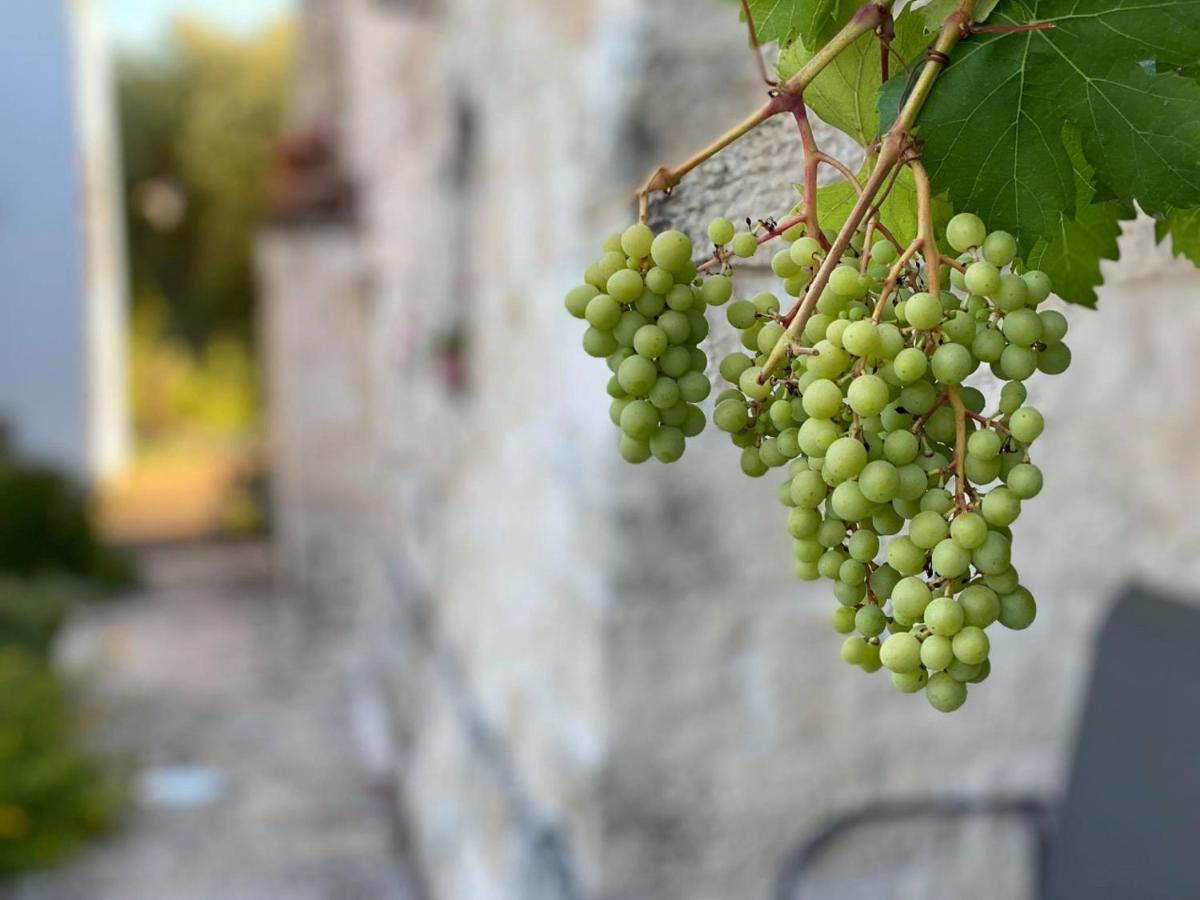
[
  {"x": 585, "y": 679},
  {"x": 63, "y": 290}
]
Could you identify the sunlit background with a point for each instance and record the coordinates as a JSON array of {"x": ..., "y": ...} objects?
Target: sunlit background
[{"x": 320, "y": 575}]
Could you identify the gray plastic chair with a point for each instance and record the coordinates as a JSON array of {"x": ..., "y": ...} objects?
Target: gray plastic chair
[{"x": 1128, "y": 825}]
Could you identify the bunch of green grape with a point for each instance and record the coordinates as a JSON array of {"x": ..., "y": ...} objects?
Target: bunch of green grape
[
  {"x": 644, "y": 303},
  {"x": 865, "y": 417}
]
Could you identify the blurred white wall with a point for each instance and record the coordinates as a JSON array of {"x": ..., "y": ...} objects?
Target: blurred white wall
[{"x": 62, "y": 275}]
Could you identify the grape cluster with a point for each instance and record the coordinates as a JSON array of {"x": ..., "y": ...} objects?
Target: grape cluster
[
  {"x": 901, "y": 490},
  {"x": 644, "y": 303}
]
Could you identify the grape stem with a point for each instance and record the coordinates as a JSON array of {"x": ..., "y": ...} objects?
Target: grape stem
[
  {"x": 812, "y": 159},
  {"x": 892, "y": 148},
  {"x": 784, "y": 98},
  {"x": 961, "y": 486},
  {"x": 756, "y": 47},
  {"x": 893, "y": 278}
]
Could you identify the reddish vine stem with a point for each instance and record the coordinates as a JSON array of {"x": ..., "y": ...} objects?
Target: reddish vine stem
[
  {"x": 893, "y": 278},
  {"x": 812, "y": 159},
  {"x": 756, "y": 47}
]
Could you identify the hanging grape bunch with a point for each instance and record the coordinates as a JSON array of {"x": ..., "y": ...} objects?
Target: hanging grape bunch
[{"x": 902, "y": 482}]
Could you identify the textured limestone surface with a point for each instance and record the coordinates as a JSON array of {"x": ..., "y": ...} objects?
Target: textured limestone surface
[{"x": 600, "y": 681}]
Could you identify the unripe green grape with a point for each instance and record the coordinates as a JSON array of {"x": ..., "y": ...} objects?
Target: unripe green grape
[
  {"x": 651, "y": 305},
  {"x": 952, "y": 363},
  {"x": 693, "y": 421},
  {"x": 872, "y": 663},
  {"x": 748, "y": 382},
  {"x": 674, "y": 416},
  {"x": 879, "y": 481},
  {"x": 832, "y": 304},
  {"x": 1023, "y": 327},
  {"x": 886, "y": 521},
  {"x": 910, "y": 596},
  {"x": 743, "y": 439},
  {"x": 980, "y": 605},
  {"x": 1039, "y": 286},
  {"x": 664, "y": 394},
  {"x": 861, "y": 338},
  {"x": 752, "y": 464},
  {"x": 918, "y": 398},
  {"x": 732, "y": 366},
  {"x": 870, "y": 621},
  {"x": 993, "y": 556},
  {"x": 988, "y": 345},
  {"x": 577, "y": 299},
  {"x": 835, "y": 331},
  {"x": 944, "y": 693},
  {"x": 891, "y": 341},
  {"x": 868, "y": 395},
  {"x": 614, "y": 389},
  {"x": 849, "y": 594},
  {"x": 806, "y": 252},
  {"x": 964, "y": 231},
  {"x": 831, "y": 533},
  {"x": 716, "y": 290},
  {"x": 795, "y": 285},
  {"x": 1026, "y": 424},
  {"x": 822, "y": 399},
  {"x": 830, "y": 563},
  {"x": 982, "y": 278},
  {"x": 863, "y": 545},
  {"x": 780, "y": 413},
  {"x": 971, "y": 645},
  {"x": 672, "y": 250},
  {"x": 892, "y": 419},
  {"x": 884, "y": 253},
  {"x": 1003, "y": 582},
  {"x": 783, "y": 265},
  {"x": 1000, "y": 507},
  {"x": 944, "y": 617},
  {"x": 768, "y": 336},
  {"x": 901, "y": 447},
  {"x": 936, "y": 652},
  {"x": 765, "y": 303},
  {"x": 940, "y": 425},
  {"x": 611, "y": 262},
  {"x": 603, "y": 312},
  {"x": 676, "y": 326},
  {"x": 745, "y": 245},
  {"x": 788, "y": 443},
  {"x": 660, "y": 281},
  {"x": 843, "y": 620},
  {"x": 1055, "y": 359},
  {"x": 650, "y": 341},
  {"x": 928, "y": 529},
  {"x": 807, "y": 550},
  {"x": 829, "y": 361},
  {"x": 806, "y": 571},
  {"x": 817, "y": 327},
  {"x": 667, "y": 444},
  {"x": 912, "y": 482},
  {"x": 616, "y": 408},
  {"x": 999, "y": 248},
  {"x": 808, "y": 489},
  {"x": 981, "y": 471},
  {"x": 625, "y": 286},
  {"x": 883, "y": 581},
  {"x": 963, "y": 672},
  {"x": 923, "y": 311},
  {"x": 1018, "y": 363},
  {"x": 905, "y": 557},
  {"x": 627, "y": 327},
  {"x": 845, "y": 458},
  {"x": 793, "y": 232},
  {"x": 741, "y": 314},
  {"x": 852, "y": 571},
  {"x": 636, "y": 241},
  {"x": 769, "y": 454},
  {"x": 960, "y": 328},
  {"x": 1012, "y": 396},
  {"x": 901, "y": 653},
  {"x": 698, "y": 327},
  {"x": 908, "y": 509},
  {"x": 848, "y": 502},
  {"x": 1017, "y": 609},
  {"x": 639, "y": 420},
  {"x": 720, "y": 231},
  {"x": 731, "y": 415},
  {"x": 910, "y": 365},
  {"x": 1024, "y": 480},
  {"x": 633, "y": 450},
  {"x": 969, "y": 530},
  {"x": 803, "y": 523},
  {"x": 599, "y": 343},
  {"x": 816, "y": 436},
  {"x": 1013, "y": 293},
  {"x": 844, "y": 281},
  {"x": 694, "y": 387},
  {"x": 950, "y": 560},
  {"x": 855, "y": 650}
]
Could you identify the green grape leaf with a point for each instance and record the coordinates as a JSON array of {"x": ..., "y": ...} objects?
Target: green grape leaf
[
  {"x": 813, "y": 21},
  {"x": 1071, "y": 256},
  {"x": 898, "y": 211},
  {"x": 844, "y": 94},
  {"x": 1183, "y": 226},
  {"x": 991, "y": 129}
]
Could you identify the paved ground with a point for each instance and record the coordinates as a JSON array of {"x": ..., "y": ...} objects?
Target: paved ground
[{"x": 250, "y": 785}]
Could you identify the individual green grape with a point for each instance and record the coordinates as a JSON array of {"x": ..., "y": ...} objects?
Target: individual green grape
[
  {"x": 868, "y": 395},
  {"x": 936, "y": 652},
  {"x": 664, "y": 394},
  {"x": 732, "y": 366},
  {"x": 952, "y": 363},
  {"x": 633, "y": 450},
  {"x": 1054, "y": 325},
  {"x": 1000, "y": 507},
  {"x": 849, "y": 594},
  {"x": 1004, "y": 582},
  {"x": 901, "y": 447},
  {"x": 660, "y": 281},
  {"x": 808, "y": 489},
  {"x": 745, "y": 245},
  {"x": 901, "y": 653},
  {"x": 822, "y": 399},
  {"x": 855, "y": 650},
  {"x": 577, "y": 299},
  {"x": 927, "y": 529},
  {"x": 999, "y": 248},
  {"x": 848, "y": 502},
  {"x": 1013, "y": 293},
  {"x": 988, "y": 345},
  {"x": 879, "y": 481},
  {"x": 1023, "y": 327},
  {"x": 1054, "y": 359},
  {"x": 944, "y": 617},
  {"x": 829, "y": 361},
  {"x": 650, "y": 341},
  {"x": 639, "y": 419},
  {"x": 720, "y": 231},
  {"x": 752, "y": 464},
  {"x": 1017, "y": 609},
  {"x": 1026, "y": 424},
  {"x": 845, "y": 281},
  {"x": 971, "y": 645},
  {"x": 766, "y": 303},
  {"x": 716, "y": 290},
  {"x": 862, "y": 338},
  {"x": 1017, "y": 363},
  {"x": 651, "y": 305},
  {"x": 803, "y": 523},
  {"x": 884, "y": 253},
  {"x": 843, "y": 620},
  {"x": 816, "y": 436},
  {"x": 870, "y": 621},
  {"x": 910, "y": 597},
  {"x": 625, "y": 286},
  {"x": 750, "y": 386},
  {"x": 980, "y": 605},
  {"x": 982, "y": 278},
  {"x": 672, "y": 250},
  {"x": 806, "y": 571},
  {"x": 731, "y": 415},
  {"x": 768, "y": 336},
  {"x": 845, "y": 458},
  {"x": 923, "y": 311},
  {"x": 993, "y": 556},
  {"x": 944, "y": 693},
  {"x": 852, "y": 572},
  {"x": 694, "y": 387},
  {"x": 1024, "y": 480},
  {"x": 831, "y": 533},
  {"x": 831, "y": 562},
  {"x": 905, "y": 557},
  {"x": 603, "y": 312},
  {"x": 1012, "y": 396},
  {"x": 667, "y": 444},
  {"x": 969, "y": 530},
  {"x": 783, "y": 265},
  {"x": 636, "y": 240},
  {"x": 693, "y": 421},
  {"x": 984, "y": 444},
  {"x": 909, "y": 682},
  {"x": 910, "y": 365},
  {"x": 599, "y": 343},
  {"x": 806, "y": 252},
  {"x": 863, "y": 545},
  {"x": 1038, "y": 284},
  {"x": 950, "y": 560},
  {"x": 962, "y": 672},
  {"x": 965, "y": 231}
]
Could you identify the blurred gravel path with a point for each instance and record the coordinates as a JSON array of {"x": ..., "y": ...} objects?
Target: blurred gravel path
[{"x": 250, "y": 787}]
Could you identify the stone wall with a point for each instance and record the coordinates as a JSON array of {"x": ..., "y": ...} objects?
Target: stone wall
[{"x": 600, "y": 681}]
